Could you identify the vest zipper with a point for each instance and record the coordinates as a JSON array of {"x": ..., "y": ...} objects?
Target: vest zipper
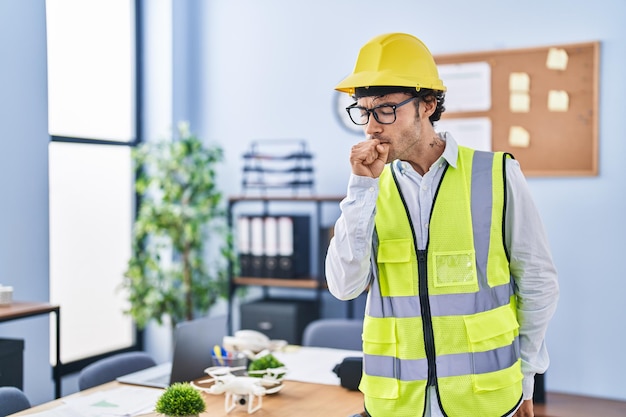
[
  {"x": 422, "y": 277},
  {"x": 429, "y": 338}
]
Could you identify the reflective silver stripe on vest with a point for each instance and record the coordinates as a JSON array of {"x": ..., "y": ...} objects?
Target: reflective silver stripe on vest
[
  {"x": 458, "y": 304},
  {"x": 447, "y": 365},
  {"x": 440, "y": 305}
]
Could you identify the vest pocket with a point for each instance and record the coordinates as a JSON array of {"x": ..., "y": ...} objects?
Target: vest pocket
[
  {"x": 379, "y": 336},
  {"x": 379, "y": 345},
  {"x": 488, "y": 332},
  {"x": 491, "y": 329},
  {"x": 455, "y": 270},
  {"x": 379, "y": 387},
  {"x": 504, "y": 378},
  {"x": 395, "y": 265}
]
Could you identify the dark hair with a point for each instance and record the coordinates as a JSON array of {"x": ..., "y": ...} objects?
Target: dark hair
[{"x": 427, "y": 95}]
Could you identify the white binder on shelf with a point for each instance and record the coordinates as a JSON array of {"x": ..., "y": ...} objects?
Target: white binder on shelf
[{"x": 257, "y": 249}]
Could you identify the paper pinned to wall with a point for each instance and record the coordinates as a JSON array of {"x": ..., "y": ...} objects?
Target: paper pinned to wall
[
  {"x": 519, "y": 102},
  {"x": 519, "y": 137},
  {"x": 468, "y": 86},
  {"x": 473, "y": 132},
  {"x": 557, "y": 59},
  {"x": 519, "y": 81},
  {"x": 558, "y": 100}
]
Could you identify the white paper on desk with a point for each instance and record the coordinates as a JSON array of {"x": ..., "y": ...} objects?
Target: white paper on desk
[
  {"x": 122, "y": 401},
  {"x": 60, "y": 411},
  {"x": 313, "y": 364}
]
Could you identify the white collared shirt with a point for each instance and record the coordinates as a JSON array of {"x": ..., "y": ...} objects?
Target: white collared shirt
[{"x": 350, "y": 266}]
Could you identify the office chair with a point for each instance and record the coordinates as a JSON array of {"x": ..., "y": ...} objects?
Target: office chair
[
  {"x": 108, "y": 369},
  {"x": 12, "y": 400},
  {"x": 334, "y": 333}
]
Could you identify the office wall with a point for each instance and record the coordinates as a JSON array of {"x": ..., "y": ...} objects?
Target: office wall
[
  {"x": 266, "y": 70},
  {"x": 24, "y": 139}
]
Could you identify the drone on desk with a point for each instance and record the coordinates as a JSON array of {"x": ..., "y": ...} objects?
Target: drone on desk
[{"x": 242, "y": 390}]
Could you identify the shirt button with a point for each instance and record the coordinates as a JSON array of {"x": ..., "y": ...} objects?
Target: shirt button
[
  {"x": 371, "y": 190},
  {"x": 426, "y": 225},
  {"x": 424, "y": 187}
]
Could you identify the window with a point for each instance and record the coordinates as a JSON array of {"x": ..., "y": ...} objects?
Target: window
[{"x": 92, "y": 109}]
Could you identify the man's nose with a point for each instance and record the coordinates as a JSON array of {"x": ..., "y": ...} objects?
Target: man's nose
[{"x": 372, "y": 126}]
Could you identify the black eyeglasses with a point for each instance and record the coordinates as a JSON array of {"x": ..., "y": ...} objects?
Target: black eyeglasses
[{"x": 385, "y": 114}]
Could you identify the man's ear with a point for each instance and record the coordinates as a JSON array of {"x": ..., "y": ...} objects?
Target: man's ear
[{"x": 429, "y": 106}]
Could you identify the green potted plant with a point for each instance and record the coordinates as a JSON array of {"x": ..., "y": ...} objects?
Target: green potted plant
[
  {"x": 180, "y": 221},
  {"x": 257, "y": 367},
  {"x": 180, "y": 400}
]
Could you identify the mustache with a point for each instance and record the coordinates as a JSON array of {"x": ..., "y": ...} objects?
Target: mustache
[{"x": 378, "y": 137}]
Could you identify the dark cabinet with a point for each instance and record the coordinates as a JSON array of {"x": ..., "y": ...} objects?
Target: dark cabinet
[{"x": 12, "y": 363}]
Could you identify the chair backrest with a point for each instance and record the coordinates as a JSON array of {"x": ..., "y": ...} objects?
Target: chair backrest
[
  {"x": 12, "y": 400},
  {"x": 108, "y": 369},
  {"x": 334, "y": 333}
]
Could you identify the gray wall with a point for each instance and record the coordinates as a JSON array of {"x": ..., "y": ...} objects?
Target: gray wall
[{"x": 254, "y": 70}]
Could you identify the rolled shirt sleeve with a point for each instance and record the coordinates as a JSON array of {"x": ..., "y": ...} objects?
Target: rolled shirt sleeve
[
  {"x": 534, "y": 273},
  {"x": 348, "y": 257}
]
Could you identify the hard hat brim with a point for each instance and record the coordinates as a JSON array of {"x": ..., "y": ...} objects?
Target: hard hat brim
[{"x": 385, "y": 78}]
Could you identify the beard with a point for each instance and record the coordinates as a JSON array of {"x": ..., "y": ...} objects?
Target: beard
[{"x": 402, "y": 144}]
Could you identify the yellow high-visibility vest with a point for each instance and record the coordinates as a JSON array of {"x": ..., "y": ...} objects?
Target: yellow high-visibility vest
[{"x": 446, "y": 315}]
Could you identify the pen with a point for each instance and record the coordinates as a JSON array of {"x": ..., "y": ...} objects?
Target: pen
[{"x": 219, "y": 352}]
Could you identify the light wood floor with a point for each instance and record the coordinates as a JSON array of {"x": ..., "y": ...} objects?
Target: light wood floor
[{"x": 565, "y": 405}]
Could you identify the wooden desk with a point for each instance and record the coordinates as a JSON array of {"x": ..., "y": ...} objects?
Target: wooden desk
[
  {"x": 302, "y": 399},
  {"x": 295, "y": 399},
  {"x": 23, "y": 309}
]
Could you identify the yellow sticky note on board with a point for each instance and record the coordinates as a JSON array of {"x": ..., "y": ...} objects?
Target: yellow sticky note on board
[
  {"x": 519, "y": 102},
  {"x": 558, "y": 100},
  {"x": 519, "y": 81},
  {"x": 557, "y": 59},
  {"x": 519, "y": 137}
]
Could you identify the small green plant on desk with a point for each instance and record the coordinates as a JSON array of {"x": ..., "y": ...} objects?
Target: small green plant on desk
[
  {"x": 180, "y": 400},
  {"x": 258, "y": 367}
]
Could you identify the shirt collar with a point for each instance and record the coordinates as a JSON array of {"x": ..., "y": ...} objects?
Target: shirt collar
[{"x": 451, "y": 152}]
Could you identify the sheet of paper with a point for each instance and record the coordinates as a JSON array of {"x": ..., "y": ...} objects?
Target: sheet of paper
[
  {"x": 473, "y": 132},
  {"x": 122, "y": 401},
  {"x": 313, "y": 364},
  {"x": 519, "y": 137},
  {"x": 468, "y": 86},
  {"x": 519, "y": 102},
  {"x": 60, "y": 411},
  {"x": 557, "y": 59},
  {"x": 558, "y": 100},
  {"x": 519, "y": 81}
]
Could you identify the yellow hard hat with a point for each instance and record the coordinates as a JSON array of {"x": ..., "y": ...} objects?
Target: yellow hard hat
[{"x": 393, "y": 59}]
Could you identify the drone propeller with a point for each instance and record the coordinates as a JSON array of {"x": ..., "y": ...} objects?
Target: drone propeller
[{"x": 217, "y": 371}]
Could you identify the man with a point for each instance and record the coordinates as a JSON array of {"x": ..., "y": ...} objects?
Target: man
[{"x": 449, "y": 245}]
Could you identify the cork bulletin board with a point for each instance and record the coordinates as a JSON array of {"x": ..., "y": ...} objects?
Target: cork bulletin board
[{"x": 540, "y": 104}]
